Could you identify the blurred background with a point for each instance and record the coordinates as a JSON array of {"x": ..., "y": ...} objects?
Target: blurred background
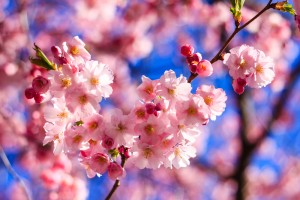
[{"x": 250, "y": 152}]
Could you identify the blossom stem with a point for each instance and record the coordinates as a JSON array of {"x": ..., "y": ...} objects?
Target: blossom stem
[
  {"x": 16, "y": 176},
  {"x": 117, "y": 182},
  {"x": 236, "y": 31}
]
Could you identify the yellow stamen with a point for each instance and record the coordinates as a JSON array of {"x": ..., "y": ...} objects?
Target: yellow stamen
[
  {"x": 74, "y": 50},
  {"x": 259, "y": 69},
  {"x": 149, "y": 129},
  {"x": 63, "y": 115},
  {"x": 208, "y": 100},
  {"x": 94, "y": 81},
  {"x": 148, "y": 153},
  {"x": 66, "y": 82},
  {"x": 83, "y": 99}
]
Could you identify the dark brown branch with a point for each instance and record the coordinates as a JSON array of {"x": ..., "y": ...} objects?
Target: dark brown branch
[
  {"x": 248, "y": 149},
  {"x": 117, "y": 182}
]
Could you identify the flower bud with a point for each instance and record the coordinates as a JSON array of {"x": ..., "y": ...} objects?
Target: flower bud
[
  {"x": 99, "y": 162},
  {"x": 38, "y": 98},
  {"x": 194, "y": 59},
  {"x": 107, "y": 142},
  {"x": 56, "y": 51},
  {"x": 187, "y": 50},
  {"x": 115, "y": 170},
  {"x": 150, "y": 108},
  {"x": 204, "y": 68},
  {"x": 30, "y": 93},
  {"x": 40, "y": 84}
]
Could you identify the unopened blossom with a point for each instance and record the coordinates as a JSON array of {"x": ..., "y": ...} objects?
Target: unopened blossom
[
  {"x": 214, "y": 99},
  {"x": 30, "y": 93},
  {"x": 99, "y": 162},
  {"x": 115, "y": 170},
  {"x": 297, "y": 9},
  {"x": 204, "y": 68},
  {"x": 40, "y": 84}
]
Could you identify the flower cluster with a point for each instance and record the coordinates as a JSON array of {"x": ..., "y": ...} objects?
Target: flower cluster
[
  {"x": 169, "y": 118},
  {"x": 160, "y": 130},
  {"x": 249, "y": 66},
  {"x": 196, "y": 65}
]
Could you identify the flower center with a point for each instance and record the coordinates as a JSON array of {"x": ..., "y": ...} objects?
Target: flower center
[
  {"x": 63, "y": 115},
  {"x": 83, "y": 99},
  {"x": 171, "y": 91},
  {"x": 77, "y": 139},
  {"x": 243, "y": 63},
  {"x": 74, "y": 50},
  {"x": 259, "y": 69},
  {"x": 66, "y": 82},
  {"x": 192, "y": 111},
  {"x": 94, "y": 81},
  {"x": 149, "y": 129},
  {"x": 148, "y": 153},
  {"x": 93, "y": 125},
  {"x": 208, "y": 100},
  {"x": 149, "y": 90}
]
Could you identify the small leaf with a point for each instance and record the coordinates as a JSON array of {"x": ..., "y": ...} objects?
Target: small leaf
[
  {"x": 41, "y": 59},
  {"x": 284, "y": 6}
]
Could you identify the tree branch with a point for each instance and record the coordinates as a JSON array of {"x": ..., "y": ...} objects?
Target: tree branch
[
  {"x": 117, "y": 182},
  {"x": 248, "y": 149},
  {"x": 236, "y": 31}
]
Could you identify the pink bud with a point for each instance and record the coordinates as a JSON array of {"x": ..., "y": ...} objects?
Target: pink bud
[
  {"x": 124, "y": 151},
  {"x": 107, "y": 142},
  {"x": 150, "y": 108},
  {"x": 127, "y": 153},
  {"x": 38, "y": 98},
  {"x": 187, "y": 50},
  {"x": 30, "y": 93},
  {"x": 99, "y": 162},
  {"x": 158, "y": 107},
  {"x": 194, "y": 59},
  {"x": 56, "y": 51},
  {"x": 239, "y": 85},
  {"x": 193, "y": 68},
  {"x": 204, "y": 68},
  {"x": 115, "y": 170},
  {"x": 40, "y": 84},
  {"x": 241, "y": 82}
]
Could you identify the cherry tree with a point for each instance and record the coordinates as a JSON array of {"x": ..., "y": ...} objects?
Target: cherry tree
[{"x": 220, "y": 122}]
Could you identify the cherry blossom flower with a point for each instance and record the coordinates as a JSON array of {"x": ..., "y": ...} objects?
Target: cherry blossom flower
[
  {"x": 214, "y": 99},
  {"x": 75, "y": 51},
  {"x": 97, "y": 78}
]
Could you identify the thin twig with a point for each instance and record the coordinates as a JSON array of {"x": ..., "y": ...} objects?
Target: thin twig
[
  {"x": 236, "y": 30},
  {"x": 14, "y": 173},
  {"x": 117, "y": 182}
]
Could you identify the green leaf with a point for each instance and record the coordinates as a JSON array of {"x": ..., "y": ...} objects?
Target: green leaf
[
  {"x": 41, "y": 59},
  {"x": 284, "y": 6},
  {"x": 289, "y": 8}
]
